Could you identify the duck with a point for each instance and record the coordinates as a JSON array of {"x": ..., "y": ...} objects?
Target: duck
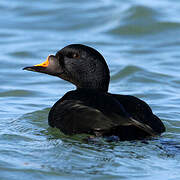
[{"x": 90, "y": 108}]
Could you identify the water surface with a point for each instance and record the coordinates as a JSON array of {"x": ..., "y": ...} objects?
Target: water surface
[{"x": 140, "y": 42}]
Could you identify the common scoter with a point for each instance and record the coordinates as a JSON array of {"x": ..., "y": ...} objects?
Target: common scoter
[{"x": 91, "y": 109}]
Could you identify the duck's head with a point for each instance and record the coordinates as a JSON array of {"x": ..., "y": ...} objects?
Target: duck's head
[{"x": 79, "y": 64}]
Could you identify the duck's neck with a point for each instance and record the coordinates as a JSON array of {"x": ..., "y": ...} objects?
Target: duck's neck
[
  {"x": 97, "y": 80},
  {"x": 95, "y": 86}
]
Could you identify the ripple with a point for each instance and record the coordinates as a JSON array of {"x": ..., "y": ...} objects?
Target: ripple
[
  {"x": 21, "y": 54},
  {"x": 141, "y": 14},
  {"x": 17, "y": 93},
  {"x": 125, "y": 72},
  {"x": 137, "y": 73},
  {"x": 141, "y": 20},
  {"x": 151, "y": 28}
]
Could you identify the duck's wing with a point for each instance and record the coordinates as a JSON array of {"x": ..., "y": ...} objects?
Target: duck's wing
[
  {"x": 105, "y": 116},
  {"x": 141, "y": 112},
  {"x": 73, "y": 117}
]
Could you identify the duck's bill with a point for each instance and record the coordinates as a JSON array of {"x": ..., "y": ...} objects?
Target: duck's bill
[
  {"x": 38, "y": 67},
  {"x": 35, "y": 68}
]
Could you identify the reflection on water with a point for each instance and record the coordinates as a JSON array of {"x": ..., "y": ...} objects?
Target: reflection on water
[{"x": 140, "y": 42}]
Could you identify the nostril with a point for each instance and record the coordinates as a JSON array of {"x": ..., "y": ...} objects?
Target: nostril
[{"x": 51, "y": 55}]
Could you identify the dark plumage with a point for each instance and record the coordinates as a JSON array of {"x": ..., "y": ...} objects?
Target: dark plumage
[{"x": 90, "y": 108}]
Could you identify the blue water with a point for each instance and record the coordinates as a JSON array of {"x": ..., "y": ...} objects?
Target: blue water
[{"x": 140, "y": 41}]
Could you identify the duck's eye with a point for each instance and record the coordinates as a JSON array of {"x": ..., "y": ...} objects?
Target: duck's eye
[{"x": 73, "y": 55}]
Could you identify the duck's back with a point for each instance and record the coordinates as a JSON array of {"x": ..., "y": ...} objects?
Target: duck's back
[
  {"x": 93, "y": 112},
  {"x": 140, "y": 111}
]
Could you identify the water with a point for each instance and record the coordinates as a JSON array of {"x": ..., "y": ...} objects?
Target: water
[{"x": 140, "y": 41}]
